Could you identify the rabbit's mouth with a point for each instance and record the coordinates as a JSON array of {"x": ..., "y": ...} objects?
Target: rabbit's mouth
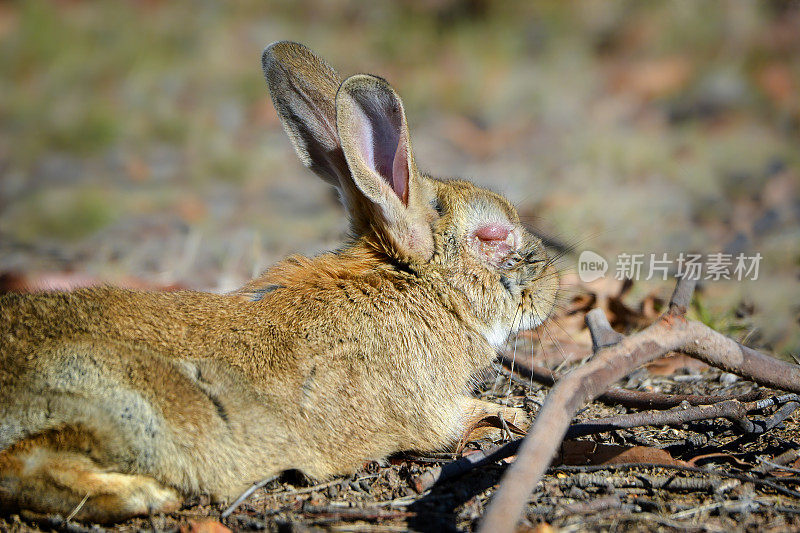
[
  {"x": 530, "y": 313},
  {"x": 532, "y": 287},
  {"x": 498, "y": 333}
]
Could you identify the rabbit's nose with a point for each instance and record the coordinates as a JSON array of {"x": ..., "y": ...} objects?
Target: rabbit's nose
[
  {"x": 513, "y": 259},
  {"x": 533, "y": 256}
]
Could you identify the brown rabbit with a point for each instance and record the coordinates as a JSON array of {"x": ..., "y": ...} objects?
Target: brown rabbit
[{"x": 133, "y": 400}]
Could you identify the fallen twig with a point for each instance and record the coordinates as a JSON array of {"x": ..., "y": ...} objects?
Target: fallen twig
[
  {"x": 730, "y": 409},
  {"x": 585, "y": 480},
  {"x": 629, "y": 398},
  {"x": 780, "y": 415},
  {"x": 255, "y": 486},
  {"x": 778, "y": 462},
  {"x": 682, "y": 468},
  {"x": 594, "y": 505},
  {"x": 672, "y": 332},
  {"x": 321, "y": 486},
  {"x": 334, "y": 514},
  {"x": 774, "y": 466},
  {"x": 601, "y": 331},
  {"x": 246, "y": 494},
  {"x": 461, "y": 466}
]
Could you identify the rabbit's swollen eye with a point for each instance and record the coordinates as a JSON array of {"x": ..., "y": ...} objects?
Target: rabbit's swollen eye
[
  {"x": 496, "y": 242},
  {"x": 493, "y": 233},
  {"x": 496, "y": 235}
]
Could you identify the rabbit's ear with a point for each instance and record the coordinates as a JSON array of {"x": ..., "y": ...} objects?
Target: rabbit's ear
[
  {"x": 303, "y": 89},
  {"x": 374, "y": 135}
]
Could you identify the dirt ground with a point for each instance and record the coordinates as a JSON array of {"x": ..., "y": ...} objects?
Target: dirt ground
[{"x": 138, "y": 146}]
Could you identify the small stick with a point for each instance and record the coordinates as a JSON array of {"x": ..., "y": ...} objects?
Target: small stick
[
  {"x": 77, "y": 508},
  {"x": 321, "y": 486},
  {"x": 774, "y": 466},
  {"x": 246, "y": 494},
  {"x": 780, "y": 415},
  {"x": 696, "y": 510},
  {"x": 461, "y": 466},
  {"x": 681, "y": 296},
  {"x": 595, "y": 505},
  {"x": 599, "y": 328},
  {"x": 722, "y": 352},
  {"x": 682, "y": 468},
  {"x": 782, "y": 460},
  {"x": 629, "y": 398},
  {"x": 585, "y": 480},
  {"x": 730, "y": 409},
  {"x": 328, "y": 513}
]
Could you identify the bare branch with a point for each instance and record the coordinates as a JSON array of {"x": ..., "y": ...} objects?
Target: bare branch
[
  {"x": 629, "y": 398},
  {"x": 246, "y": 494},
  {"x": 730, "y": 409},
  {"x": 682, "y": 296},
  {"x": 600, "y": 329},
  {"x": 780, "y": 461},
  {"x": 722, "y": 352}
]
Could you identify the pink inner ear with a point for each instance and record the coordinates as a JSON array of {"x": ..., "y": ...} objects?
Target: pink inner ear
[
  {"x": 493, "y": 232},
  {"x": 399, "y": 181},
  {"x": 381, "y": 142}
]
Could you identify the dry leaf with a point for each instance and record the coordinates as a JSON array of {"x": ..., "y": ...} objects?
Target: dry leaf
[
  {"x": 581, "y": 452},
  {"x": 488, "y": 421},
  {"x": 700, "y": 459},
  {"x": 204, "y": 526},
  {"x": 672, "y": 363}
]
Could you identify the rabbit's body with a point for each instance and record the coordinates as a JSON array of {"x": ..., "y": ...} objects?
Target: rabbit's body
[{"x": 134, "y": 399}]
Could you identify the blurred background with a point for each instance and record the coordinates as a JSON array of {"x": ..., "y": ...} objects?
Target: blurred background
[{"x": 138, "y": 144}]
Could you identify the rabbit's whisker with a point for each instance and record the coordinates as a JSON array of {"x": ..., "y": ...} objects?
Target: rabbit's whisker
[
  {"x": 555, "y": 342},
  {"x": 505, "y": 344},
  {"x": 514, "y": 353}
]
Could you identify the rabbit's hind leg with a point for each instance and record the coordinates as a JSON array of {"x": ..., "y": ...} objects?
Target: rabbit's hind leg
[{"x": 38, "y": 477}]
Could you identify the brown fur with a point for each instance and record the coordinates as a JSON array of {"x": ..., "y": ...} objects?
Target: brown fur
[{"x": 134, "y": 399}]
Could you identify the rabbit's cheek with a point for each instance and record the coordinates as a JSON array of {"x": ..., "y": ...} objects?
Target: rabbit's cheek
[
  {"x": 497, "y": 334},
  {"x": 507, "y": 283},
  {"x": 497, "y": 254}
]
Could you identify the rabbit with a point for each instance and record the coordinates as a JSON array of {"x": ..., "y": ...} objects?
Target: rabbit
[{"x": 119, "y": 402}]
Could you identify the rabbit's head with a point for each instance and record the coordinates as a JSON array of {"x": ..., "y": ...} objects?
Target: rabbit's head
[{"x": 450, "y": 233}]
